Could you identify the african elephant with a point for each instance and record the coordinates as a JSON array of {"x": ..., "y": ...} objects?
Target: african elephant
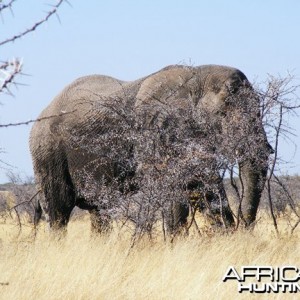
[{"x": 87, "y": 109}]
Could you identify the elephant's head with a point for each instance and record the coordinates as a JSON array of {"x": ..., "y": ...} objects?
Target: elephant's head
[
  {"x": 230, "y": 101},
  {"x": 228, "y": 110}
]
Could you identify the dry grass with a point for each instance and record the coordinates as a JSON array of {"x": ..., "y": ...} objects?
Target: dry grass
[{"x": 103, "y": 268}]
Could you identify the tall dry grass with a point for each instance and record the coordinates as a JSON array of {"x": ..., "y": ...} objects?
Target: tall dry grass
[{"x": 83, "y": 268}]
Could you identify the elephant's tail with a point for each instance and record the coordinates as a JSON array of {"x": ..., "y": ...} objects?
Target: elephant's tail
[{"x": 37, "y": 211}]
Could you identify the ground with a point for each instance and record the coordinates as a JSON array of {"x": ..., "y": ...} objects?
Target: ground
[{"x": 81, "y": 267}]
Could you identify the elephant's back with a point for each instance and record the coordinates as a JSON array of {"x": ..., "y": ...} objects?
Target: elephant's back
[
  {"x": 98, "y": 84},
  {"x": 85, "y": 91},
  {"x": 82, "y": 92},
  {"x": 71, "y": 107}
]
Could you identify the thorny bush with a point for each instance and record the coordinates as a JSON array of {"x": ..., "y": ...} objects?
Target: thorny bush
[{"x": 153, "y": 167}]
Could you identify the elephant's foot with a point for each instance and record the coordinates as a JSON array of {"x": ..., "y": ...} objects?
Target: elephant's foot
[
  {"x": 57, "y": 230},
  {"x": 57, "y": 224}
]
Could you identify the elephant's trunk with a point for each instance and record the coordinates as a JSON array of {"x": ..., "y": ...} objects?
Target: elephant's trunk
[
  {"x": 254, "y": 155},
  {"x": 253, "y": 179},
  {"x": 253, "y": 173}
]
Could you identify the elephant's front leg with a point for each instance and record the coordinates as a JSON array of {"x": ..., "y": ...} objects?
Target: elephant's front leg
[
  {"x": 219, "y": 210},
  {"x": 213, "y": 203}
]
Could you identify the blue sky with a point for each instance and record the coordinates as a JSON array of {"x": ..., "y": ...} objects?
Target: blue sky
[{"x": 130, "y": 39}]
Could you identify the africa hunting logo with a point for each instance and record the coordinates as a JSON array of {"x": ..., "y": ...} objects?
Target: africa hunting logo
[{"x": 265, "y": 279}]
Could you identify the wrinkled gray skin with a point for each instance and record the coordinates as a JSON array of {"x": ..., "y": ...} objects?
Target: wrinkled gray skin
[{"x": 55, "y": 162}]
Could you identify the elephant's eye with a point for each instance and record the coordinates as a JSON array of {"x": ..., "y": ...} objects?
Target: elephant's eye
[{"x": 233, "y": 89}]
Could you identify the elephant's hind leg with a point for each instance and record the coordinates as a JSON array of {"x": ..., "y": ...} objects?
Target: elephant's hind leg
[
  {"x": 58, "y": 199},
  {"x": 100, "y": 223}
]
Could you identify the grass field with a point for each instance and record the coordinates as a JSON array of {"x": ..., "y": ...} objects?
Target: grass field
[{"x": 80, "y": 267}]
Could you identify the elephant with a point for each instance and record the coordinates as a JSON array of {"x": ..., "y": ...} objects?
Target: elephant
[{"x": 87, "y": 108}]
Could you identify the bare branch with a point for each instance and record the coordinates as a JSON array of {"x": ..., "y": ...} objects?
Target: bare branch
[
  {"x": 5, "y": 6},
  {"x": 272, "y": 167},
  {"x": 34, "y": 26},
  {"x": 36, "y": 120},
  {"x": 8, "y": 71}
]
